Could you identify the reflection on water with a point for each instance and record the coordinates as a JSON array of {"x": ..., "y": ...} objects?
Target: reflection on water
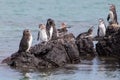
[{"x": 96, "y": 69}]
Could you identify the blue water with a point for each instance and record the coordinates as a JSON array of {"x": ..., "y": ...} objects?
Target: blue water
[{"x": 17, "y": 15}]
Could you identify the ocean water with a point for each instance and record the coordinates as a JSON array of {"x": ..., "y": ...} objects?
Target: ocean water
[{"x": 17, "y": 15}]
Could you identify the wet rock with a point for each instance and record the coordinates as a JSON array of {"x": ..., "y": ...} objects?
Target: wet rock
[
  {"x": 110, "y": 46},
  {"x": 112, "y": 29},
  {"x": 23, "y": 60},
  {"x": 55, "y": 53},
  {"x": 85, "y": 45},
  {"x": 50, "y": 55},
  {"x": 71, "y": 48}
]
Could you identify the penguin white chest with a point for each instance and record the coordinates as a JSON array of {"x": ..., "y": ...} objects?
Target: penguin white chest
[
  {"x": 30, "y": 42},
  {"x": 43, "y": 35},
  {"x": 102, "y": 30},
  {"x": 51, "y": 32},
  {"x": 111, "y": 16}
]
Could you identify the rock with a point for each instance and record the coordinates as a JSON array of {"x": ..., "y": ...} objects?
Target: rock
[
  {"x": 70, "y": 46},
  {"x": 85, "y": 45},
  {"x": 42, "y": 55},
  {"x": 55, "y": 53},
  {"x": 111, "y": 29},
  {"x": 110, "y": 46},
  {"x": 23, "y": 60}
]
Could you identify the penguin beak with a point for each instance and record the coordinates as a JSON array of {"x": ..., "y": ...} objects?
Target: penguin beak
[{"x": 101, "y": 20}]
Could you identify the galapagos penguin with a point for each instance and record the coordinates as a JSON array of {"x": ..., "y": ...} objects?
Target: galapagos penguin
[{"x": 26, "y": 41}]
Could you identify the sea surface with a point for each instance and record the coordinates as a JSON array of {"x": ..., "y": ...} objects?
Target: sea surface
[{"x": 17, "y": 15}]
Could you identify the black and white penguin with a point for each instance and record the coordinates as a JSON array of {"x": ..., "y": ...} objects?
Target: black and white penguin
[
  {"x": 26, "y": 41},
  {"x": 42, "y": 35},
  {"x": 112, "y": 16},
  {"x": 101, "y": 28},
  {"x": 51, "y": 29}
]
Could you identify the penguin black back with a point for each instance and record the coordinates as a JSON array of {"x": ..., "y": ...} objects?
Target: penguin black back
[
  {"x": 50, "y": 23},
  {"x": 24, "y": 43}
]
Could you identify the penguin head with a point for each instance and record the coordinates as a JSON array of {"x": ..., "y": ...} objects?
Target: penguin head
[
  {"x": 26, "y": 32},
  {"x": 90, "y": 30},
  {"x": 42, "y": 26},
  {"x": 63, "y": 25},
  {"x": 101, "y": 21},
  {"x": 112, "y": 7},
  {"x": 50, "y": 22}
]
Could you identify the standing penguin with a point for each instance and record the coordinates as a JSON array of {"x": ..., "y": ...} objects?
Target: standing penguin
[
  {"x": 26, "y": 41},
  {"x": 42, "y": 33},
  {"x": 51, "y": 29},
  {"x": 101, "y": 28},
  {"x": 112, "y": 16}
]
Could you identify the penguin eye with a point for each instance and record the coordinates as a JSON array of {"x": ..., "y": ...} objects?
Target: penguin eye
[{"x": 27, "y": 31}]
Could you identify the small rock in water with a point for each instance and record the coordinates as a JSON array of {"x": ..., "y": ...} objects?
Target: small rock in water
[{"x": 27, "y": 75}]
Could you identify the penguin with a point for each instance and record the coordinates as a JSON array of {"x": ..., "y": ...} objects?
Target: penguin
[
  {"x": 88, "y": 34},
  {"x": 42, "y": 33},
  {"x": 101, "y": 32},
  {"x": 26, "y": 41},
  {"x": 112, "y": 16},
  {"x": 63, "y": 28},
  {"x": 51, "y": 29}
]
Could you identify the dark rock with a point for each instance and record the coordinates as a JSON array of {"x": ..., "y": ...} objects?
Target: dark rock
[
  {"x": 85, "y": 45},
  {"x": 23, "y": 60},
  {"x": 110, "y": 46},
  {"x": 112, "y": 29},
  {"x": 55, "y": 53},
  {"x": 68, "y": 42}
]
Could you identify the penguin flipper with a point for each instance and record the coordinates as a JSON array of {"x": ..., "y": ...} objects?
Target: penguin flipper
[
  {"x": 38, "y": 35},
  {"x": 98, "y": 32},
  {"x": 23, "y": 45},
  {"x": 108, "y": 17}
]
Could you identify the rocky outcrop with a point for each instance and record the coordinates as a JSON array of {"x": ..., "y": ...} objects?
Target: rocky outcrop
[
  {"x": 55, "y": 53},
  {"x": 86, "y": 47},
  {"x": 110, "y": 44},
  {"x": 85, "y": 44}
]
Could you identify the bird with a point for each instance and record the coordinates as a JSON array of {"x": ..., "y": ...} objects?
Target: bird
[
  {"x": 112, "y": 16},
  {"x": 88, "y": 34},
  {"x": 63, "y": 29},
  {"x": 42, "y": 35},
  {"x": 26, "y": 41},
  {"x": 51, "y": 29},
  {"x": 101, "y": 32}
]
